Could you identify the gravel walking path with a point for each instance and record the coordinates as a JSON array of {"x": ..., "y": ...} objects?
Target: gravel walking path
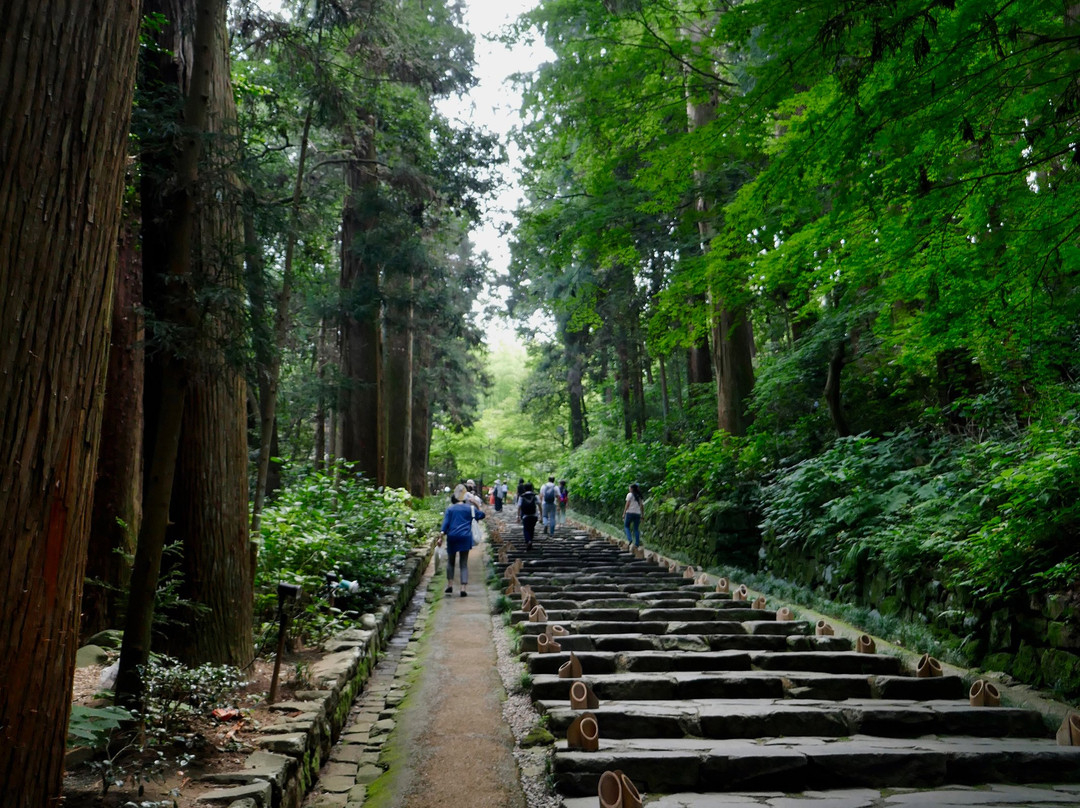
[{"x": 434, "y": 727}]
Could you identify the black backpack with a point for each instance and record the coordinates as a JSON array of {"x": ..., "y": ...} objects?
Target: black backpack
[
  {"x": 528, "y": 503},
  {"x": 549, "y": 495}
]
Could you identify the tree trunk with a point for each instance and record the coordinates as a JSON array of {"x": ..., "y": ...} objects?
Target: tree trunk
[
  {"x": 398, "y": 377},
  {"x": 624, "y": 386},
  {"x": 575, "y": 393},
  {"x": 67, "y": 76},
  {"x": 421, "y": 418},
  {"x": 735, "y": 368},
  {"x": 210, "y": 491},
  {"x": 270, "y": 355},
  {"x": 360, "y": 403},
  {"x": 732, "y": 338},
  {"x": 320, "y": 406},
  {"x": 699, "y": 363},
  {"x": 832, "y": 390},
  {"x": 183, "y": 220},
  {"x": 665, "y": 405},
  {"x": 638, "y": 388},
  {"x": 273, "y": 468},
  {"x": 118, "y": 489}
]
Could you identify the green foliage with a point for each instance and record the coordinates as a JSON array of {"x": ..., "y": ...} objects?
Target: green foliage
[
  {"x": 332, "y": 522},
  {"x": 174, "y": 692},
  {"x": 599, "y": 475},
  {"x": 721, "y": 467},
  {"x": 1029, "y": 508},
  {"x": 996, "y": 518},
  {"x": 504, "y": 442},
  {"x": 93, "y": 726}
]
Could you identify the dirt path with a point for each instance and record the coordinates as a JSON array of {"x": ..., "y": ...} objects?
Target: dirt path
[{"x": 451, "y": 748}]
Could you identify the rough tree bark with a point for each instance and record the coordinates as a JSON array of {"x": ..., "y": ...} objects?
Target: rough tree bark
[
  {"x": 398, "y": 377},
  {"x": 360, "y": 402},
  {"x": 176, "y": 229},
  {"x": 625, "y": 386},
  {"x": 66, "y": 81},
  {"x": 832, "y": 390},
  {"x": 575, "y": 392},
  {"x": 320, "y": 407},
  {"x": 118, "y": 489},
  {"x": 421, "y": 417},
  {"x": 210, "y": 492},
  {"x": 731, "y": 336}
]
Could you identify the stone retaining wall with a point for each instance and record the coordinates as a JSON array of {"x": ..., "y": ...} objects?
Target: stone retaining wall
[
  {"x": 292, "y": 751},
  {"x": 1035, "y": 640}
]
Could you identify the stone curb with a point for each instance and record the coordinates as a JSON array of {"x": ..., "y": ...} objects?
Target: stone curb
[{"x": 292, "y": 751}]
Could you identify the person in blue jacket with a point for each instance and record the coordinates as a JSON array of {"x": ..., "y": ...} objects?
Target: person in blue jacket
[{"x": 457, "y": 528}]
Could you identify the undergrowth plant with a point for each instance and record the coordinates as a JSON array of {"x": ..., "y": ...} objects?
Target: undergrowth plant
[{"x": 332, "y": 522}]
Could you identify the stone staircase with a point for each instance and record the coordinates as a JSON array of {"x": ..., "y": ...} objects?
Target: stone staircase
[{"x": 706, "y": 701}]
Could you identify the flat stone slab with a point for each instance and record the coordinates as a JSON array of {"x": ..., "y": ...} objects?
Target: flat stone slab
[
  {"x": 260, "y": 765},
  {"x": 828, "y": 662},
  {"x": 668, "y": 686},
  {"x": 259, "y": 791},
  {"x": 796, "y": 764},
  {"x": 761, "y": 718},
  {"x": 1000, "y": 796}
]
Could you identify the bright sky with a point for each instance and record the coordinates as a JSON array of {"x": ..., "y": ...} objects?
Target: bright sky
[{"x": 494, "y": 104}]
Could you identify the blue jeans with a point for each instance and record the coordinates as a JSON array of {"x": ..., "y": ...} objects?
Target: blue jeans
[
  {"x": 549, "y": 518},
  {"x": 632, "y": 522}
]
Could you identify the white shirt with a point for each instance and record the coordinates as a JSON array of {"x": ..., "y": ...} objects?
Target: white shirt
[{"x": 632, "y": 505}]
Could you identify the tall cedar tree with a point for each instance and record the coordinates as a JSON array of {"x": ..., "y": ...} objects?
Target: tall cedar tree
[{"x": 66, "y": 82}]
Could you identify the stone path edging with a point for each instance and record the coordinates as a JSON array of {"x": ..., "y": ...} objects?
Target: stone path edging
[{"x": 292, "y": 751}]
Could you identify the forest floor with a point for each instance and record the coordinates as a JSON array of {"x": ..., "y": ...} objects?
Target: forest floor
[{"x": 217, "y": 745}]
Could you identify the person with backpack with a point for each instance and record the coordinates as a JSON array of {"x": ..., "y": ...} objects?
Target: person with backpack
[
  {"x": 528, "y": 512},
  {"x": 549, "y": 493},
  {"x": 632, "y": 513},
  {"x": 517, "y": 499},
  {"x": 564, "y": 496},
  {"x": 497, "y": 494}
]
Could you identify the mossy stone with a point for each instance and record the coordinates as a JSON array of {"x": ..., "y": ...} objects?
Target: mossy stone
[
  {"x": 1062, "y": 635},
  {"x": 1061, "y": 670},
  {"x": 891, "y": 605},
  {"x": 1026, "y": 665},
  {"x": 998, "y": 662},
  {"x": 537, "y": 736},
  {"x": 110, "y": 638},
  {"x": 90, "y": 655}
]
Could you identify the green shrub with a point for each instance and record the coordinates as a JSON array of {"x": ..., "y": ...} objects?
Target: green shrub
[
  {"x": 1028, "y": 503},
  {"x": 601, "y": 475},
  {"x": 992, "y": 518},
  {"x": 332, "y": 523}
]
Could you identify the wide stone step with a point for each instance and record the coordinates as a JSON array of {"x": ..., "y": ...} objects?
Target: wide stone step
[
  {"x": 689, "y": 643},
  {"x": 956, "y": 796},
  {"x": 797, "y": 764},
  {"x": 645, "y": 626},
  {"x": 763, "y": 718},
  {"x": 829, "y": 662},
  {"x": 694, "y": 643},
  {"x": 613, "y": 680}
]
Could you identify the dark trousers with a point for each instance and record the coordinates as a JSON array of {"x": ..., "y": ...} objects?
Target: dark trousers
[{"x": 528, "y": 528}]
